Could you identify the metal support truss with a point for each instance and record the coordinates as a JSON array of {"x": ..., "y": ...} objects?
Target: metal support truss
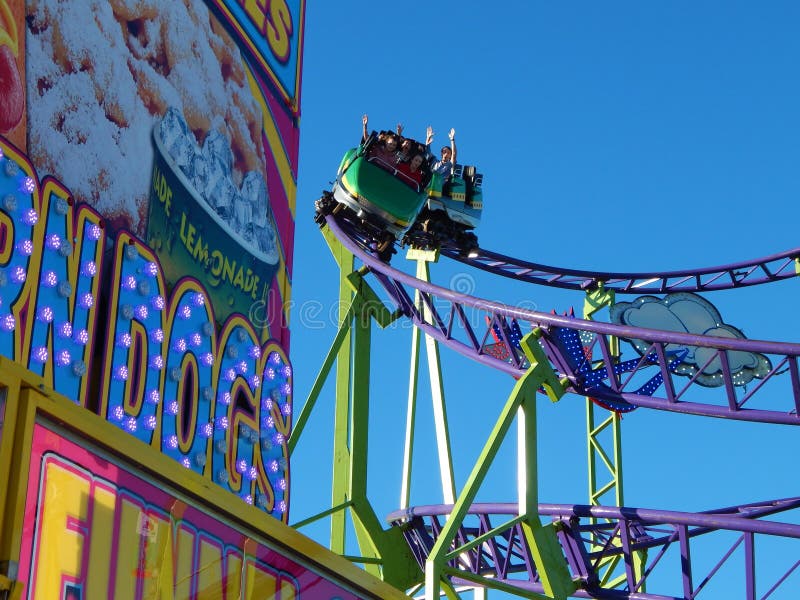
[
  {"x": 383, "y": 552},
  {"x": 600, "y": 454},
  {"x": 516, "y": 552},
  {"x": 494, "y": 548},
  {"x": 424, "y": 258},
  {"x": 604, "y": 445},
  {"x": 775, "y": 267},
  {"x": 450, "y": 553},
  {"x": 657, "y": 379}
]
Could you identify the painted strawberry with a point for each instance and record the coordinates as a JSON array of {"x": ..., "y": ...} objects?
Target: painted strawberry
[{"x": 12, "y": 94}]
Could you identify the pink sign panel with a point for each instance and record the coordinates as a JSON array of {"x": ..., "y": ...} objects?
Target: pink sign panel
[{"x": 95, "y": 529}]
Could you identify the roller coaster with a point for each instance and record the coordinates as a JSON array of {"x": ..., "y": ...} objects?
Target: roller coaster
[{"x": 527, "y": 548}]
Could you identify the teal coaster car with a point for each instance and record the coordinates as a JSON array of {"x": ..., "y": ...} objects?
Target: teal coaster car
[
  {"x": 452, "y": 210},
  {"x": 387, "y": 203}
]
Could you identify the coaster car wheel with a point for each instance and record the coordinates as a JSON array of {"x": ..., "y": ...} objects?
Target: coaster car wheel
[
  {"x": 385, "y": 247},
  {"x": 385, "y": 241},
  {"x": 419, "y": 238}
]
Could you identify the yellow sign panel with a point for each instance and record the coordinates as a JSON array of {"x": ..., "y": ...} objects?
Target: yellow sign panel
[{"x": 89, "y": 520}]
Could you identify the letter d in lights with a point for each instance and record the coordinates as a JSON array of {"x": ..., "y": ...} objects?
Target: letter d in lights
[{"x": 135, "y": 340}]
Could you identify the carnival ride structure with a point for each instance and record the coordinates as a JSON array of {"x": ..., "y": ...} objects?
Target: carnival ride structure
[
  {"x": 389, "y": 202},
  {"x": 582, "y": 550}
]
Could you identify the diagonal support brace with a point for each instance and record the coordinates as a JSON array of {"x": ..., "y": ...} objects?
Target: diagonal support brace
[{"x": 550, "y": 562}]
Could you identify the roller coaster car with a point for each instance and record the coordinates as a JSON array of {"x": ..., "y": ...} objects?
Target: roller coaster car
[
  {"x": 452, "y": 210},
  {"x": 388, "y": 204}
]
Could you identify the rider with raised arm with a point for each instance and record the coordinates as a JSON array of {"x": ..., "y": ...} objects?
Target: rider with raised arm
[
  {"x": 444, "y": 166},
  {"x": 385, "y": 147}
]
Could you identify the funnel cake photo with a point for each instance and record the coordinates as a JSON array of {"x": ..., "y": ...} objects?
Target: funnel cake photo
[{"x": 103, "y": 83}]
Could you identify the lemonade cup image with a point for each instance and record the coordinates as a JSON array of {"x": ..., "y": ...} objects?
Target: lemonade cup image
[{"x": 193, "y": 238}]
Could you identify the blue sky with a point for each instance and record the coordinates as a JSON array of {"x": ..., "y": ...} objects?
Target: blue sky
[{"x": 617, "y": 136}]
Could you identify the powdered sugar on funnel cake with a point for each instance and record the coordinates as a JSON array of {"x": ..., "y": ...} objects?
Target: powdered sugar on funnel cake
[{"x": 103, "y": 73}]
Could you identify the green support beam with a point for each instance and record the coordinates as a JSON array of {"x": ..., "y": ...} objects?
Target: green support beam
[
  {"x": 604, "y": 454},
  {"x": 521, "y": 404},
  {"x": 383, "y": 552},
  {"x": 600, "y": 454},
  {"x": 322, "y": 376},
  {"x": 411, "y": 419},
  {"x": 341, "y": 419},
  {"x": 424, "y": 258}
]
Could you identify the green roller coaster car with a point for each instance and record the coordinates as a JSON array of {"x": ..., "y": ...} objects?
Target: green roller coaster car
[{"x": 391, "y": 205}]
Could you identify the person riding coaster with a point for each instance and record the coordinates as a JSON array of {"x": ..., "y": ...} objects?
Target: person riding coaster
[
  {"x": 452, "y": 210},
  {"x": 391, "y": 200}
]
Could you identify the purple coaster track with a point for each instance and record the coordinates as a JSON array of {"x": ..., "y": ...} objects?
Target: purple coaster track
[
  {"x": 580, "y": 354},
  {"x": 468, "y": 325},
  {"x": 763, "y": 270},
  {"x": 586, "y": 542}
]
